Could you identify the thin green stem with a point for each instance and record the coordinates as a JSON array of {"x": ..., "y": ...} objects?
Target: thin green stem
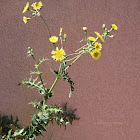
[
  {"x": 47, "y": 29},
  {"x": 46, "y": 25},
  {"x": 71, "y": 54},
  {"x": 71, "y": 58},
  {"x": 81, "y": 48},
  {"x": 39, "y": 72},
  {"x": 54, "y": 45},
  {"x": 74, "y": 60},
  {"x": 64, "y": 41},
  {"x": 110, "y": 30},
  {"x": 76, "y": 51},
  {"x": 61, "y": 40},
  {"x": 95, "y": 40},
  {"x": 53, "y": 85},
  {"x": 86, "y": 35},
  {"x": 56, "y": 79}
]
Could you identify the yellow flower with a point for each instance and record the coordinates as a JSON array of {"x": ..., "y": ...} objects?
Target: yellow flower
[
  {"x": 37, "y": 5},
  {"x": 114, "y": 27},
  {"x": 65, "y": 35},
  {"x": 90, "y": 38},
  {"x": 84, "y": 28},
  {"x": 95, "y": 54},
  {"x": 98, "y": 46},
  {"x": 99, "y": 36},
  {"x": 25, "y": 19},
  {"x": 58, "y": 55},
  {"x": 26, "y": 8},
  {"x": 53, "y": 39}
]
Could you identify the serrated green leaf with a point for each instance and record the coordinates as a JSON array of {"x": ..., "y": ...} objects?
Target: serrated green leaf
[
  {"x": 18, "y": 132},
  {"x": 41, "y": 127},
  {"x": 68, "y": 79},
  {"x": 43, "y": 60},
  {"x": 31, "y": 83},
  {"x": 54, "y": 72}
]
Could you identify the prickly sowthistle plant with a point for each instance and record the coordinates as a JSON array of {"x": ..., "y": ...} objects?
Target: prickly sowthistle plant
[{"x": 46, "y": 113}]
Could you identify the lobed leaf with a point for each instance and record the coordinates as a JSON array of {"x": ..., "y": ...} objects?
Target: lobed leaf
[{"x": 33, "y": 84}]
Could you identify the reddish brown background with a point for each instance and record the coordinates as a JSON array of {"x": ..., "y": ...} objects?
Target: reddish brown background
[{"x": 107, "y": 95}]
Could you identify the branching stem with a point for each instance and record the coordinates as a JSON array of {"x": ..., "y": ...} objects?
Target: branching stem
[
  {"x": 81, "y": 48},
  {"x": 71, "y": 58},
  {"x": 56, "y": 79},
  {"x": 75, "y": 60},
  {"x": 71, "y": 54},
  {"x": 38, "y": 72}
]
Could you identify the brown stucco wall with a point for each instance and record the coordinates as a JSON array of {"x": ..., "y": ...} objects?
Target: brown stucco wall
[{"x": 107, "y": 94}]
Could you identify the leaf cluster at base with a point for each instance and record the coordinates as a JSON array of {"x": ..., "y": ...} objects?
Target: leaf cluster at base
[{"x": 40, "y": 120}]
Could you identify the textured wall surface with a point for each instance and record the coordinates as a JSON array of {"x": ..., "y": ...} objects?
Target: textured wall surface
[{"x": 107, "y": 93}]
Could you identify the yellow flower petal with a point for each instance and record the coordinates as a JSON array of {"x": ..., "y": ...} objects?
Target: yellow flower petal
[
  {"x": 26, "y": 8},
  {"x": 57, "y": 49},
  {"x": 114, "y": 27},
  {"x": 95, "y": 54},
  {"x": 25, "y": 19},
  {"x": 90, "y": 38},
  {"x": 53, "y": 52},
  {"x": 58, "y": 55},
  {"x": 53, "y": 39},
  {"x": 37, "y": 5},
  {"x": 99, "y": 36},
  {"x": 98, "y": 46}
]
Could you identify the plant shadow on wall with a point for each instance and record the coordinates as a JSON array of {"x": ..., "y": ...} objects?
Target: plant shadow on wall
[{"x": 10, "y": 130}]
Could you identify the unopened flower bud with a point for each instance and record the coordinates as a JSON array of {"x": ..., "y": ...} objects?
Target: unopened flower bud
[
  {"x": 61, "y": 30},
  {"x": 84, "y": 28},
  {"x": 60, "y": 34},
  {"x": 65, "y": 35}
]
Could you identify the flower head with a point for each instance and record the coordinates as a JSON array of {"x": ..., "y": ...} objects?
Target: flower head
[
  {"x": 53, "y": 39},
  {"x": 98, "y": 46},
  {"x": 25, "y": 19},
  {"x": 37, "y": 5},
  {"x": 84, "y": 28},
  {"x": 99, "y": 36},
  {"x": 58, "y": 55},
  {"x": 90, "y": 38},
  {"x": 95, "y": 54},
  {"x": 114, "y": 27},
  {"x": 26, "y": 8},
  {"x": 65, "y": 35}
]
